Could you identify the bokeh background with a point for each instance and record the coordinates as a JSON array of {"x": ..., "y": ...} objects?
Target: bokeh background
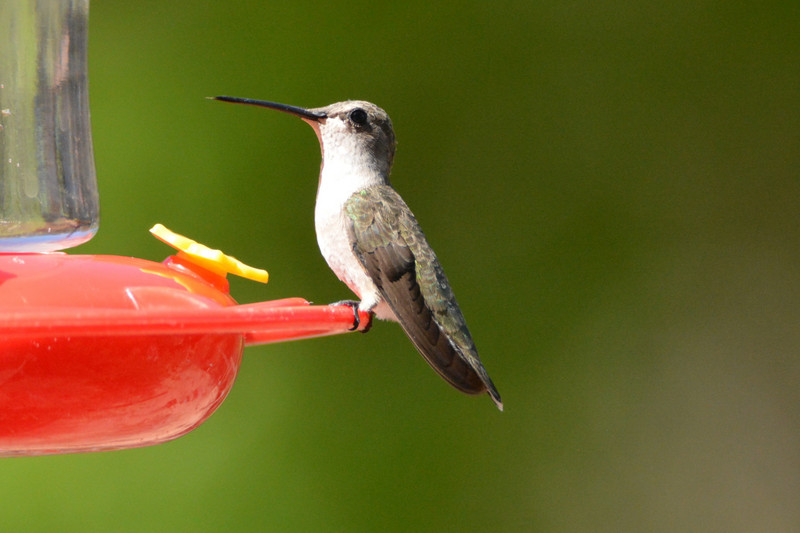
[{"x": 613, "y": 190}]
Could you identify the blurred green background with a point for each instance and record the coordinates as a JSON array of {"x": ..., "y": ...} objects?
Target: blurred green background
[{"x": 613, "y": 190}]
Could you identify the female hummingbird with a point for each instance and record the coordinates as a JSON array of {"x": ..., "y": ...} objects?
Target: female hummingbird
[{"x": 373, "y": 243}]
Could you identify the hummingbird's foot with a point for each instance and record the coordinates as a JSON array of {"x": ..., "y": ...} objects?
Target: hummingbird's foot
[{"x": 352, "y": 304}]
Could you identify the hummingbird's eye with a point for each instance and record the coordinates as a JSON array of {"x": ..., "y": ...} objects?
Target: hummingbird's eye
[{"x": 358, "y": 117}]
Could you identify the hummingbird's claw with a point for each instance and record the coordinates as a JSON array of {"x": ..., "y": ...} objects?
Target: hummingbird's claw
[
  {"x": 352, "y": 304},
  {"x": 369, "y": 322}
]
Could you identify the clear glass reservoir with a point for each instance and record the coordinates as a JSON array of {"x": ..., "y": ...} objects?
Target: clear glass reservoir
[{"x": 48, "y": 187}]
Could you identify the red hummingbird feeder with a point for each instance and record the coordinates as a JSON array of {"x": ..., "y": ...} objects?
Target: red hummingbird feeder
[{"x": 104, "y": 352}]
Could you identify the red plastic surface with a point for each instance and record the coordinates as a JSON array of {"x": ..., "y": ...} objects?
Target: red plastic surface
[{"x": 106, "y": 352}]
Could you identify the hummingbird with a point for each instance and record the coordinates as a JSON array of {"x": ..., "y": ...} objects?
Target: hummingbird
[{"x": 374, "y": 244}]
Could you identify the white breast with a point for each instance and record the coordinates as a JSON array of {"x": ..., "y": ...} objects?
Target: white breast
[{"x": 337, "y": 250}]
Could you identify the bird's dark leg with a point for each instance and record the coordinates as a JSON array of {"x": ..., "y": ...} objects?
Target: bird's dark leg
[
  {"x": 369, "y": 322},
  {"x": 352, "y": 304}
]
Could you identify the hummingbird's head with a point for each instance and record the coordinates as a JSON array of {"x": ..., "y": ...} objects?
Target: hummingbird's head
[
  {"x": 352, "y": 133},
  {"x": 359, "y": 130}
]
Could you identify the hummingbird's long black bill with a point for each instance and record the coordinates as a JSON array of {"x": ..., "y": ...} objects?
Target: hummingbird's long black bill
[{"x": 292, "y": 110}]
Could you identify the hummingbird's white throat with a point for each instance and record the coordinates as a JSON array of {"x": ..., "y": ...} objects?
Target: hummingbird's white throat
[{"x": 348, "y": 163}]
